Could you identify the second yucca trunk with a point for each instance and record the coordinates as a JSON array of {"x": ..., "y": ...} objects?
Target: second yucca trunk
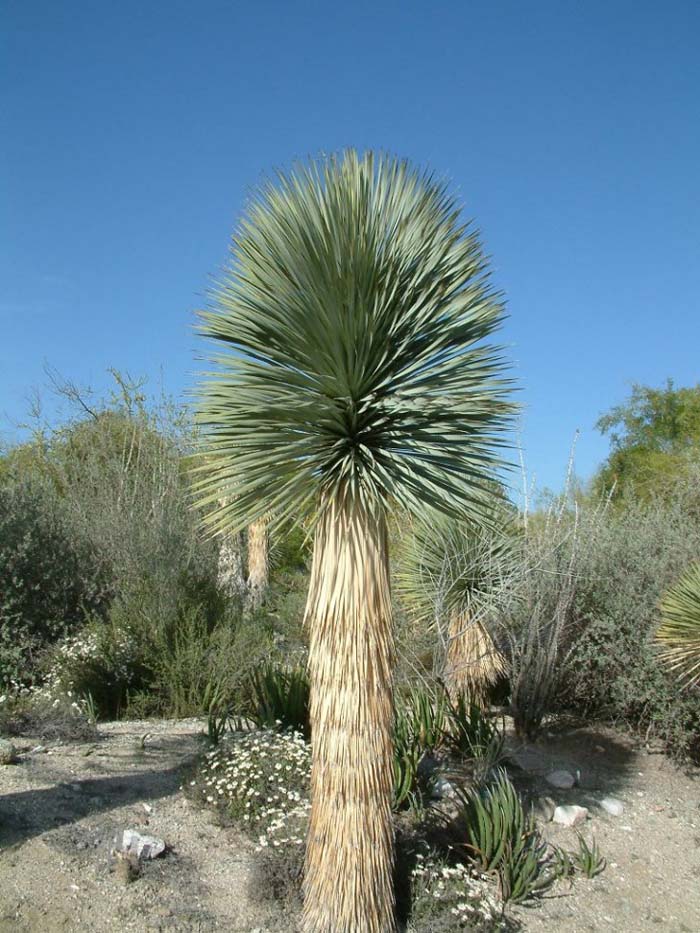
[
  {"x": 473, "y": 663},
  {"x": 258, "y": 562},
  {"x": 348, "y": 885}
]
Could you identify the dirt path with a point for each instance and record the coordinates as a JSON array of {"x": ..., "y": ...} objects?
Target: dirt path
[{"x": 60, "y": 812}]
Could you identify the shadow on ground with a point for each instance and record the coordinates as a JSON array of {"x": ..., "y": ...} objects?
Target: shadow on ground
[{"x": 28, "y": 813}]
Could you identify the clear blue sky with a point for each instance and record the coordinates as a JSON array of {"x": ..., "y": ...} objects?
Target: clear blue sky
[{"x": 131, "y": 132}]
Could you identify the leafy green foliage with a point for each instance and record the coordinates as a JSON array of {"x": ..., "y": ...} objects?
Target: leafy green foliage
[
  {"x": 502, "y": 838},
  {"x": 612, "y": 670},
  {"x": 413, "y": 785},
  {"x": 340, "y": 260},
  {"x": 679, "y": 632},
  {"x": 426, "y": 713},
  {"x": 655, "y": 436},
  {"x": 49, "y": 577}
]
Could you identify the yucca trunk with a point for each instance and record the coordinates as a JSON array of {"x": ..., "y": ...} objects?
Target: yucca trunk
[
  {"x": 231, "y": 577},
  {"x": 258, "y": 562},
  {"x": 230, "y": 570},
  {"x": 473, "y": 663},
  {"x": 348, "y": 885}
]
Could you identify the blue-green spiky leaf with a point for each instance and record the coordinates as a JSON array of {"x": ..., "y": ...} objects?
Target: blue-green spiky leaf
[{"x": 351, "y": 323}]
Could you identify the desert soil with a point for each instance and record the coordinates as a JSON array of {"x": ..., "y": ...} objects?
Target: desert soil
[{"x": 61, "y": 809}]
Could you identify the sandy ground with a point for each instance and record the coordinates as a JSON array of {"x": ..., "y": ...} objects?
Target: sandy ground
[{"x": 61, "y": 810}]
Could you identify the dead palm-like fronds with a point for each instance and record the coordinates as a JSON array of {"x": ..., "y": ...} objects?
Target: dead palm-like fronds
[
  {"x": 354, "y": 378},
  {"x": 451, "y": 573},
  {"x": 679, "y": 632}
]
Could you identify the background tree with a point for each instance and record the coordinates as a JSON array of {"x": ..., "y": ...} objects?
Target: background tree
[
  {"x": 353, "y": 313},
  {"x": 654, "y": 436}
]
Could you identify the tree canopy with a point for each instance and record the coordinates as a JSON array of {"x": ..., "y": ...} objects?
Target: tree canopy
[{"x": 655, "y": 436}]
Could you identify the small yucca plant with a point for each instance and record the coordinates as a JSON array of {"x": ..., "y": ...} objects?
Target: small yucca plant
[
  {"x": 679, "y": 632},
  {"x": 451, "y": 572}
]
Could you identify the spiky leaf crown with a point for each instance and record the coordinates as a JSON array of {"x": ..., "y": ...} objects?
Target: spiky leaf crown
[{"x": 351, "y": 321}]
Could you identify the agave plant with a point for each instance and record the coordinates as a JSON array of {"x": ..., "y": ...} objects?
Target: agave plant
[
  {"x": 353, "y": 378},
  {"x": 679, "y": 632},
  {"x": 502, "y": 838},
  {"x": 451, "y": 571}
]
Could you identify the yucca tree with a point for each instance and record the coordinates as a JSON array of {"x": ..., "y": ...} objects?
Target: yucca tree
[
  {"x": 353, "y": 378},
  {"x": 679, "y": 632},
  {"x": 451, "y": 572}
]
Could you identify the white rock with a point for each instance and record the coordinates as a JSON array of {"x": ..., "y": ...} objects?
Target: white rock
[
  {"x": 612, "y": 805},
  {"x": 442, "y": 788},
  {"x": 143, "y": 847},
  {"x": 564, "y": 780},
  {"x": 570, "y": 815}
]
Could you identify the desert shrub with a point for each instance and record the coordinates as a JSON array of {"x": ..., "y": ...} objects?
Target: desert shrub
[
  {"x": 50, "y": 715},
  {"x": 99, "y": 664},
  {"x": 259, "y": 780},
  {"x": 613, "y": 670},
  {"x": 449, "y": 895},
  {"x": 142, "y": 661},
  {"x": 49, "y": 577},
  {"x": 534, "y": 618}
]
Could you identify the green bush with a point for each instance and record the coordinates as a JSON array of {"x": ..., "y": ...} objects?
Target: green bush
[
  {"x": 50, "y": 578},
  {"x": 613, "y": 670}
]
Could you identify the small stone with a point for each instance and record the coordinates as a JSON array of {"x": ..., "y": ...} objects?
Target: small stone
[
  {"x": 8, "y": 752},
  {"x": 543, "y": 808},
  {"x": 570, "y": 815},
  {"x": 612, "y": 805},
  {"x": 141, "y": 847},
  {"x": 563, "y": 780},
  {"x": 39, "y": 750},
  {"x": 442, "y": 788}
]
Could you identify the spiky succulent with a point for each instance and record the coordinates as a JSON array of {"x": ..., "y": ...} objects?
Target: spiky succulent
[
  {"x": 351, "y": 322},
  {"x": 451, "y": 566},
  {"x": 679, "y": 632}
]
